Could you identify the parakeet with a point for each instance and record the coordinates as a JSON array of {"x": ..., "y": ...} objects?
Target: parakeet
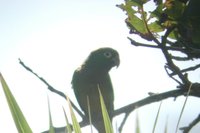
[{"x": 94, "y": 74}]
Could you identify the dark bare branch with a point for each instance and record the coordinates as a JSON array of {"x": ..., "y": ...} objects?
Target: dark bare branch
[
  {"x": 195, "y": 91},
  {"x": 187, "y": 69},
  {"x": 191, "y": 125},
  {"x": 135, "y": 43},
  {"x": 51, "y": 88}
]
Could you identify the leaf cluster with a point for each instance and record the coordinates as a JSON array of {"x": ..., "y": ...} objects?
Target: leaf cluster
[
  {"x": 180, "y": 17},
  {"x": 172, "y": 25}
]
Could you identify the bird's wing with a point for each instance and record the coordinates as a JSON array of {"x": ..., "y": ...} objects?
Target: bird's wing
[
  {"x": 107, "y": 92},
  {"x": 84, "y": 87},
  {"x": 77, "y": 86}
]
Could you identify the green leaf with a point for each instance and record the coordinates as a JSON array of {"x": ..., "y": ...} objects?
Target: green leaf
[
  {"x": 184, "y": 105},
  {"x": 157, "y": 12},
  {"x": 191, "y": 21},
  {"x": 128, "y": 7},
  {"x": 106, "y": 118},
  {"x": 156, "y": 120},
  {"x": 166, "y": 126},
  {"x": 175, "y": 10},
  {"x": 89, "y": 113},
  {"x": 174, "y": 34},
  {"x": 18, "y": 117},
  {"x": 75, "y": 123},
  {"x": 155, "y": 27},
  {"x": 68, "y": 127},
  {"x": 137, "y": 23},
  {"x": 139, "y": 3},
  {"x": 137, "y": 129},
  {"x": 134, "y": 22},
  {"x": 51, "y": 128}
]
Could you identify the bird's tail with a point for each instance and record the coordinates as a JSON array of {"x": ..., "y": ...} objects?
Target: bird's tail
[{"x": 99, "y": 125}]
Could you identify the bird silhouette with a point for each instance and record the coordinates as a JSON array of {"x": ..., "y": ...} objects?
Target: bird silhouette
[{"x": 92, "y": 75}]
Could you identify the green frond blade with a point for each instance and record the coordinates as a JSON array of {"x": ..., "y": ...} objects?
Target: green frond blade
[
  {"x": 51, "y": 128},
  {"x": 137, "y": 130},
  {"x": 75, "y": 123},
  {"x": 18, "y": 117},
  {"x": 68, "y": 127},
  {"x": 156, "y": 120},
  {"x": 106, "y": 119}
]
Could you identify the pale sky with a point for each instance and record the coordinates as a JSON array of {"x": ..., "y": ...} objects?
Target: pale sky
[{"x": 55, "y": 37}]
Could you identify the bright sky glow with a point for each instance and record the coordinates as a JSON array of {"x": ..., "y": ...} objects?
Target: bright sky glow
[{"x": 54, "y": 38}]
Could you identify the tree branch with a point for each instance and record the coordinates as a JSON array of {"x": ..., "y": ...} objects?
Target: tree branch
[
  {"x": 191, "y": 125},
  {"x": 169, "y": 60},
  {"x": 51, "y": 88},
  {"x": 123, "y": 122},
  {"x": 135, "y": 43},
  {"x": 195, "y": 91},
  {"x": 187, "y": 69}
]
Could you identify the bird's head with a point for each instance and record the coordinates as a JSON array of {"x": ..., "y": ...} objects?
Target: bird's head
[{"x": 103, "y": 59}]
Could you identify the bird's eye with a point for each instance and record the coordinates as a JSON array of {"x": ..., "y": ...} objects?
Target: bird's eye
[{"x": 107, "y": 54}]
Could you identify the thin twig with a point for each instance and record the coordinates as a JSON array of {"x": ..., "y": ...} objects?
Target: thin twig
[
  {"x": 195, "y": 91},
  {"x": 168, "y": 58},
  {"x": 156, "y": 120},
  {"x": 191, "y": 125},
  {"x": 51, "y": 88},
  {"x": 187, "y": 69},
  {"x": 123, "y": 122},
  {"x": 166, "y": 69},
  {"x": 177, "y": 58},
  {"x": 135, "y": 43}
]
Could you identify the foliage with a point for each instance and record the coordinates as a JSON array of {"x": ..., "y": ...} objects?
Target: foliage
[
  {"x": 75, "y": 123},
  {"x": 173, "y": 25},
  {"x": 18, "y": 117},
  {"x": 180, "y": 19},
  {"x": 51, "y": 128},
  {"x": 106, "y": 119}
]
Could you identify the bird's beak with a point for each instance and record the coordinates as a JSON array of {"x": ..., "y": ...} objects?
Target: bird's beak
[{"x": 116, "y": 61}]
